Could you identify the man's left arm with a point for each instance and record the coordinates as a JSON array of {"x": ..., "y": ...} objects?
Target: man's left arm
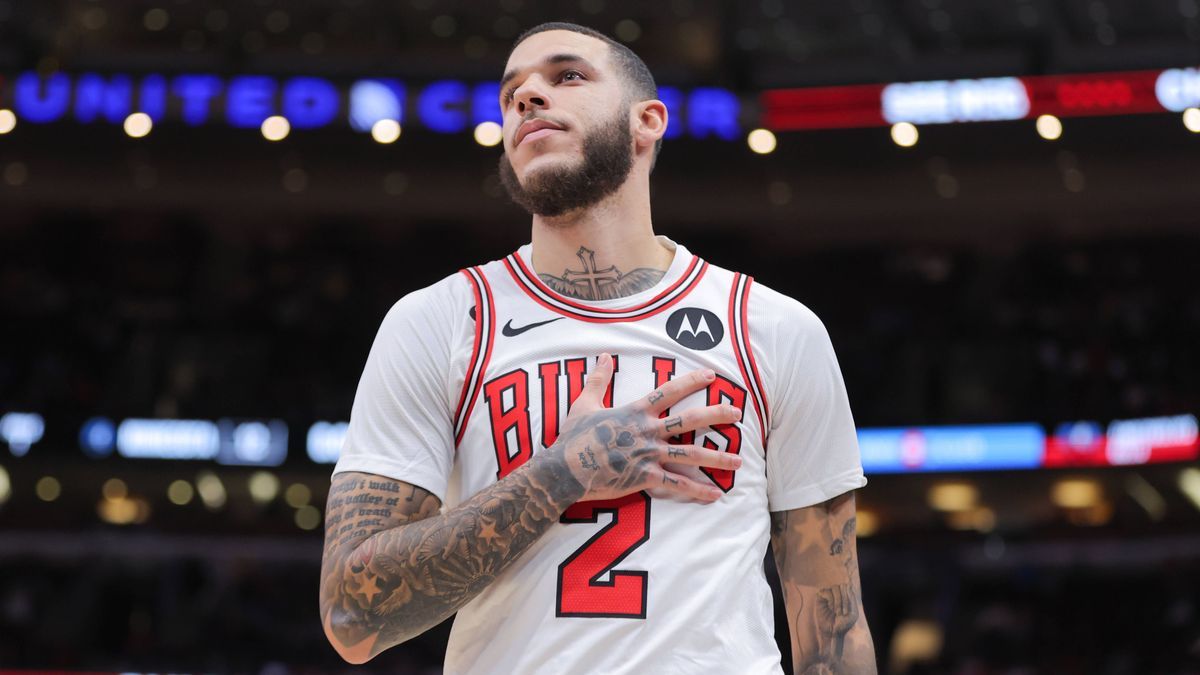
[{"x": 817, "y": 558}]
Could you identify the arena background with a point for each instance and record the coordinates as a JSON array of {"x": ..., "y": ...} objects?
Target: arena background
[{"x": 186, "y": 305}]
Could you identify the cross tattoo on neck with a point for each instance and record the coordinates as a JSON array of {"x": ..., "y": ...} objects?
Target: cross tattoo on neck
[{"x": 590, "y": 276}]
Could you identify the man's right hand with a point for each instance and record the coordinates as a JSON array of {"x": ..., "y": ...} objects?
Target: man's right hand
[{"x": 613, "y": 452}]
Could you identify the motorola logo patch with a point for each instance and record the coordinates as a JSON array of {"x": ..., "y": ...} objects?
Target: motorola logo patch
[{"x": 695, "y": 328}]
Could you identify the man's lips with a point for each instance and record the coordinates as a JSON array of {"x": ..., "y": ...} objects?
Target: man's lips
[
  {"x": 535, "y": 129},
  {"x": 540, "y": 133}
]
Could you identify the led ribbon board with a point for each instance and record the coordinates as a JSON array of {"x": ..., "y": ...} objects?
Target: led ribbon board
[
  {"x": 444, "y": 106},
  {"x": 982, "y": 100}
]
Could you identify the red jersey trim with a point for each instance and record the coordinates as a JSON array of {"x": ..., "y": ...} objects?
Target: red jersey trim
[
  {"x": 548, "y": 298},
  {"x": 738, "y": 294},
  {"x": 481, "y": 352}
]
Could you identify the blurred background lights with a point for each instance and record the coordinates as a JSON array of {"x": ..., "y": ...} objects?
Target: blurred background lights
[
  {"x": 951, "y": 497},
  {"x": 916, "y": 641},
  {"x": 761, "y": 141},
  {"x": 114, "y": 488},
  {"x": 8, "y": 120},
  {"x": 5, "y": 486},
  {"x": 1189, "y": 485},
  {"x": 180, "y": 492},
  {"x": 488, "y": 134},
  {"x": 308, "y": 517},
  {"x": 124, "y": 511},
  {"x": 298, "y": 495},
  {"x": 48, "y": 488},
  {"x": 1049, "y": 127},
  {"x": 138, "y": 125},
  {"x": 264, "y": 487},
  {"x": 385, "y": 131},
  {"x": 904, "y": 134},
  {"x": 156, "y": 19},
  {"x": 1191, "y": 120},
  {"x": 866, "y": 522},
  {"x": 211, "y": 489},
  {"x": 276, "y": 128},
  {"x": 1075, "y": 493}
]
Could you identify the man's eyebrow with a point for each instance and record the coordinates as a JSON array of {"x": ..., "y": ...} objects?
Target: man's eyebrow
[{"x": 553, "y": 59}]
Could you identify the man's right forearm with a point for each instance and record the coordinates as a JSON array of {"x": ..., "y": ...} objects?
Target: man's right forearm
[{"x": 396, "y": 583}]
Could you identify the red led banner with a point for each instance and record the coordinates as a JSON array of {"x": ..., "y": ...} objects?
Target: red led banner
[{"x": 981, "y": 100}]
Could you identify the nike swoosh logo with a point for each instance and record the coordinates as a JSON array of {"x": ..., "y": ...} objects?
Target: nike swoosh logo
[{"x": 509, "y": 331}]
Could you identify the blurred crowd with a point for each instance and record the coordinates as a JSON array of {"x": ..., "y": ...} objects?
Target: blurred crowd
[
  {"x": 929, "y": 615},
  {"x": 131, "y": 315}
]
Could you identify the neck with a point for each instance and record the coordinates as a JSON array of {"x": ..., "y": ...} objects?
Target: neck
[{"x": 605, "y": 251}]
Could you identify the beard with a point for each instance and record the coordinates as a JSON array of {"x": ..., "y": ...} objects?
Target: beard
[{"x": 607, "y": 161}]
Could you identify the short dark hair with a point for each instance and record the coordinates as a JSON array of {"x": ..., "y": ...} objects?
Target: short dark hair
[{"x": 639, "y": 83}]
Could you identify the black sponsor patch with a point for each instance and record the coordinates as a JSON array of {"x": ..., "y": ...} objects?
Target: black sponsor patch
[{"x": 695, "y": 328}]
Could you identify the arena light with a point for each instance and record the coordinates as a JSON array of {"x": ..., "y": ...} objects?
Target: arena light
[
  {"x": 114, "y": 488},
  {"x": 264, "y": 487},
  {"x": 905, "y": 134},
  {"x": 762, "y": 141},
  {"x": 952, "y": 497},
  {"x": 1049, "y": 127},
  {"x": 488, "y": 134},
  {"x": 1076, "y": 493},
  {"x": 385, "y": 131},
  {"x": 180, "y": 492},
  {"x": 124, "y": 511},
  {"x": 1150, "y": 499},
  {"x": 308, "y": 517},
  {"x": 138, "y": 125},
  {"x": 48, "y": 488},
  {"x": 211, "y": 489},
  {"x": 324, "y": 443},
  {"x": 297, "y": 495},
  {"x": 866, "y": 523},
  {"x": 276, "y": 128},
  {"x": 979, "y": 519},
  {"x": 21, "y": 431},
  {"x": 1191, "y": 120},
  {"x": 915, "y": 641},
  {"x": 8, "y": 120},
  {"x": 1189, "y": 485}
]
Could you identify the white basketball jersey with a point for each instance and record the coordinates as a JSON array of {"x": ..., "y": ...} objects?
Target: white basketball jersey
[{"x": 468, "y": 382}]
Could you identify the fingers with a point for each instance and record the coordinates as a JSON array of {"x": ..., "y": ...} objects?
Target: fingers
[
  {"x": 685, "y": 487},
  {"x": 697, "y": 455},
  {"x": 695, "y": 418},
  {"x": 675, "y": 390},
  {"x": 597, "y": 382}
]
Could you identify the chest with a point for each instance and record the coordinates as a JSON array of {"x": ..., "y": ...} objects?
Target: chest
[{"x": 539, "y": 359}]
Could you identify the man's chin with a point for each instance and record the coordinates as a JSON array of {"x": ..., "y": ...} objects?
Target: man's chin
[{"x": 544, "y": 164}]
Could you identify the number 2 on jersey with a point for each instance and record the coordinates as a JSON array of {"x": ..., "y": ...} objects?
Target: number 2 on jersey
[{"x": 581, "y": 592}]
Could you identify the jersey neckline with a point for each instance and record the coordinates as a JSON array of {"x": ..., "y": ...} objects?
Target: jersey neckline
[{"x": 680, "y": 278}]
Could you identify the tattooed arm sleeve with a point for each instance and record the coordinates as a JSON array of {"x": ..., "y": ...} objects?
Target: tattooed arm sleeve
[
  {"x": 817, "y": 558},
  {"x": 393, "y": 567}
]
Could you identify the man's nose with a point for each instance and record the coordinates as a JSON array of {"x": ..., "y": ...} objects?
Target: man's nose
[
  {"x": 526, "y": 103},
  {"x": 531, "y": 94}
]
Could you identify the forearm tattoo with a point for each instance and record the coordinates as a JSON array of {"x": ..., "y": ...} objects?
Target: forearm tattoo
[
  {"x": 591, "y": 283},
  {"x": 815, "y": 552},
  {"x": 393, "y": 568}
]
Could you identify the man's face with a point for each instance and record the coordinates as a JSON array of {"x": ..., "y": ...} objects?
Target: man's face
[{"x": 567, "y": 139}]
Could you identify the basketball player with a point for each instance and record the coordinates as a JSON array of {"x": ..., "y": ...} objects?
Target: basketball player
[{"x": 583, "y": 449}]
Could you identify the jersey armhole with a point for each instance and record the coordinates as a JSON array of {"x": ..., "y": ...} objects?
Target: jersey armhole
[
  {"x": 739, "y": 301},
  {"x": 483, "y": 312}
]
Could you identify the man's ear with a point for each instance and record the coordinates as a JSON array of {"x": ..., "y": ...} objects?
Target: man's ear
[{"x": 650, "y": 122}]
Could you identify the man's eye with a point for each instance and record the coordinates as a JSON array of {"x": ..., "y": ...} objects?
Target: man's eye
[{"x": 568, "y": 73}]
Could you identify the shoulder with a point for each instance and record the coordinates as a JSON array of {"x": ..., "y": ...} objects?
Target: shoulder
[
  {"x": 441, "y": 305},
  {"x": 777, "y": 317}
]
